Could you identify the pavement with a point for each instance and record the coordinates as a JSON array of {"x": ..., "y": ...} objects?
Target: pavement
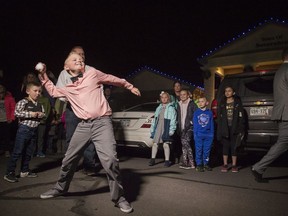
[{"x": 151, "y": 190}]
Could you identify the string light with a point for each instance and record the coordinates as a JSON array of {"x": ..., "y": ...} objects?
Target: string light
[
  {"x": 162, "y": 74},
  {"x": 266, "y": 21}
]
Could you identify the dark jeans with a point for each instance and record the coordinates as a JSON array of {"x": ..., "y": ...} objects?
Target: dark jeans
[
  {"x": 89, "y": 157},
  {"x": 71, "y": 123},
  {"x": 5, "y": 129},
  {"x": 41, "y": 137},
  {"x": 25, "y": 143}
]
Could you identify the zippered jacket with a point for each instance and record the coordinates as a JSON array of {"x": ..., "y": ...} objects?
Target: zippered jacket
[
  {"x": 238, "y": 122},
  {"x": 170, "y": 122}
]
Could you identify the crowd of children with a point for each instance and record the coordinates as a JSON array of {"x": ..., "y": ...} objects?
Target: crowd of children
[
  {"x": 195, "y": 129},
  {"x": 178, "y": 118},
  {"x": 179, "y": 121}
]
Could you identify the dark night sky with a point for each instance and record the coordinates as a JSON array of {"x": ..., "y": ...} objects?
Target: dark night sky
[{"x": 120, "y": 36}]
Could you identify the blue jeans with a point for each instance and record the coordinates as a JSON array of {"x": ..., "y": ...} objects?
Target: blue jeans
[
  {"x": 25, "y": 143},
  {"x": 89, "y": 157},
  {"x": 71, "y": 123}
]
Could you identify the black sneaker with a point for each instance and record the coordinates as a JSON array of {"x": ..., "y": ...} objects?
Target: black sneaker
[
  {"x": 152, "y": 162},
  {"x": 258, "y": 177},
  {"x": 207, "y": 168},
  {"x": 199, "y": 169},
  {"x": 167, "y": 163},
  {"x": 10, "y": 177}
]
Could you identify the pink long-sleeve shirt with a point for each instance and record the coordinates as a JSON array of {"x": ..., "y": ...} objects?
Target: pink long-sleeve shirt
[{"x": 86, "y": 95}]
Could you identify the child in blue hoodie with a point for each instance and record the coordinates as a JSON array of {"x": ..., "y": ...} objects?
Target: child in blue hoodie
[{"x": 203, "y": 134}]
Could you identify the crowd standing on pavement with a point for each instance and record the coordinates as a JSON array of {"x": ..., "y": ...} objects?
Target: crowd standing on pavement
[{"x": 182, "y": 126}]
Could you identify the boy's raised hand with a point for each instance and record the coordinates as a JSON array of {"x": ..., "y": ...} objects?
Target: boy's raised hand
[{"x": 41, "y": 68}]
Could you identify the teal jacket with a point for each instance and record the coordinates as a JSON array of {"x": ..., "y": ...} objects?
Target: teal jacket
[{"x": 170, "y": 122}]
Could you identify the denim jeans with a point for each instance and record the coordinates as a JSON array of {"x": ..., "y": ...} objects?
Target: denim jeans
[
  {"x": 71, "y": 123},
  {"x": 41, "y": 137},
  {"x": 89, "y": 156},
  {"x": 25, "y": 143}
]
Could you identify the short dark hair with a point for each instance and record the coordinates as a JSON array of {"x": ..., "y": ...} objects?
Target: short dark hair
[
  {"x": 33, "y": 83},
  {"x": 177, "y": 82}
]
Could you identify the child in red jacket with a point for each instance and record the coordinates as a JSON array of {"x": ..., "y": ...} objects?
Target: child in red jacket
[{"x": 7, "y": 107}]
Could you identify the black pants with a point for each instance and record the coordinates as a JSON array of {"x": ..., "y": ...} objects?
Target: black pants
[{"x": 229, "y": 144}]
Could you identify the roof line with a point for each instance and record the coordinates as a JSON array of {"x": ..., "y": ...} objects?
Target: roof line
[
  {"x": 145, "y": 67},
  {"x": 241, "y": 35}
]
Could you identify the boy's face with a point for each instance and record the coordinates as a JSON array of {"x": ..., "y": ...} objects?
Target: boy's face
[
  {"x": 202, "y": 103},
  {"x": 74, "y": 63},
  {"x": 34, "y": 92},
  {"x": 184, "y": 95}
]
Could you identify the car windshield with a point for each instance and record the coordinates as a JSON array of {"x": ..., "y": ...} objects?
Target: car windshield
[
  {"x": 258, "y": 86},
  {"x": 143, "y": 107},
  {"x": 250, "y": 86}
]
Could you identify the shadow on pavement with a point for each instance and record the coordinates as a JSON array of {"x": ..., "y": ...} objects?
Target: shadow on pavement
[{"x": 48, "y": 165}]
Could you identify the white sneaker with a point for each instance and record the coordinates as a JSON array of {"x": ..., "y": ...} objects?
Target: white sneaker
[
  {"x": 124, "y": 206},
  {"x": 51, "y": 194},
  {"x": 28, "y": 174}
]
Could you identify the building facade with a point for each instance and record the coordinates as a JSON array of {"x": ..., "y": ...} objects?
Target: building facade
[
  {"x": 151, "y": 82},
  {"x": 256, "y": 50}
]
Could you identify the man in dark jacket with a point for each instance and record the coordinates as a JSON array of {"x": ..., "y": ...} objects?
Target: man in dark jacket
[{"x": 280, "y": 114}]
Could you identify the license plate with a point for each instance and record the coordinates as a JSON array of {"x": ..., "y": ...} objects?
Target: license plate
[
  {"x": 259, "y": 111},
  {"x": 125, "y": 122}
]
